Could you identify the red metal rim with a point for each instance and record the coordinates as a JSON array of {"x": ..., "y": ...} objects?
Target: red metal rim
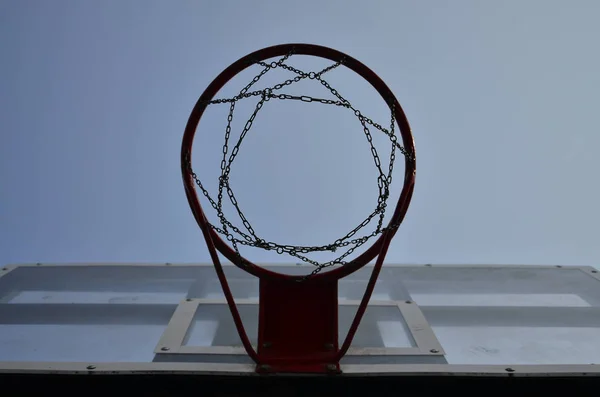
[{"x": 276, "y": 51}]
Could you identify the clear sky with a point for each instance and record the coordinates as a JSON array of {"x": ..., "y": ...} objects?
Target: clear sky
[{"x": 502, "y": 98}]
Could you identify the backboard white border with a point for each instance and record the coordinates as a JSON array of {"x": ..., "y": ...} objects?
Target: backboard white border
[{"x": 250, "y": 369}]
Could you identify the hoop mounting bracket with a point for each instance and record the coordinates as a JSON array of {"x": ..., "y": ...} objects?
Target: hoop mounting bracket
[{"x": 298, "y": 326}]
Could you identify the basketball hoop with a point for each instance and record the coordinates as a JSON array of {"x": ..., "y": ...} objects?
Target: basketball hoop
[{"x": 298, "y": 324}]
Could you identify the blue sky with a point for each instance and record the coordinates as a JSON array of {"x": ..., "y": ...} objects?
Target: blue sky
[{"x": 501, "y": 97}]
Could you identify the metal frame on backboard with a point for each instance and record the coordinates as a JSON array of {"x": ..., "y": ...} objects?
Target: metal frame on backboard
[
  {"x": 172, "y": 340},
  {"x": 209, "y": 369}
]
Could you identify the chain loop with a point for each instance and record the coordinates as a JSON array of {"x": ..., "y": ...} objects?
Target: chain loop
[{"x": 249, "y": 237}]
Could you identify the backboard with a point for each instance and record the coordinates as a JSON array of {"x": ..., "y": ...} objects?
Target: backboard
[{"x": 422, "y": 320}]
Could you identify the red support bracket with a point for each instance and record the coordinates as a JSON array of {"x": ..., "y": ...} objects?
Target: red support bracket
[{"x": 298, "y": 326}]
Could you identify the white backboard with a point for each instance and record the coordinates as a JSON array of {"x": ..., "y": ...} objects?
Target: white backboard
[{"x": 170, "y": 317}]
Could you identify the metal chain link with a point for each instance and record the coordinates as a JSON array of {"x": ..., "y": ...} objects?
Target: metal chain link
[{"x": 250, "y": 238}]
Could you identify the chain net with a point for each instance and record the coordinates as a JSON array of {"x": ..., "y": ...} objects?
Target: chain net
[{"x": 245, "y": 235}]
